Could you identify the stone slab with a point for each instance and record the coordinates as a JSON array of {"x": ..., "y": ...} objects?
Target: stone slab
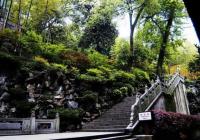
[{"x": 56, "y": 136}]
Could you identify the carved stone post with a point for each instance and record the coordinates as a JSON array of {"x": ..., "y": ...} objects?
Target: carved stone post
[
  {"x": 32, "y": 122},
  {"x": 57, "y": 122}
]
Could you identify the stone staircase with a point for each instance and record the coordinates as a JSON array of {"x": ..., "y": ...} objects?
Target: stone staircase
[{"x": 115, "y": 119}]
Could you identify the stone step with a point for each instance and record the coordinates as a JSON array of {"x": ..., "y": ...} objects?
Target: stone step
[
  {"x": 144, "y": 137},
  {"x": 104, "y": 130},
  {"x": 123, "y": 137},
  {"x": 116, "y": 118},
  {"x": 107, "y": 126},
  {"x": 108, "y": 122}
]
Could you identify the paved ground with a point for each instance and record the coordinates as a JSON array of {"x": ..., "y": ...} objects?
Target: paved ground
[{"x": 54, "y": 136}]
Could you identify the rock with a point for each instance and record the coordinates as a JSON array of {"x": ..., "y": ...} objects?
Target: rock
[
  {"x": 85, "y": 119},
  {"x": 87, "y": 114},
  {"x": 72, "y": 104}
]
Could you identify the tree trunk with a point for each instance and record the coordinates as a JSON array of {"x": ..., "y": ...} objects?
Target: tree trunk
[
  {"x": 7, "y": 14},
  {"x": 132, "y": 30},
  {"x": 19, "y": 16},
  {"x": 28, "y": 14},
  {"x": 165, "y": 38}
]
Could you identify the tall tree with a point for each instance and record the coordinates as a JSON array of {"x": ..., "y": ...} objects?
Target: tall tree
[
  {"x": 137, "y": 7},
  {"x": 166, "y": 21},
  {"x": 28, "y": 13},
  {"x": 8, "y": 14}
]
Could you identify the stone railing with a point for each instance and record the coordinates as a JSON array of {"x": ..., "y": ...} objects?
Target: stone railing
[
  {"x": 176, "y": 87},
  {"x": 19, "y": 126},
  {"x": 144, "y": 102},
  {"x": 173, "y": 82}
]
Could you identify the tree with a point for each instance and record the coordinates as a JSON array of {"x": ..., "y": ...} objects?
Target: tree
[
  {"x": 165, "y": 21},
  {"x": 138, "y": 7},
  {"x": 120, "y": 53},
  {"x": 100, "y": 32}
]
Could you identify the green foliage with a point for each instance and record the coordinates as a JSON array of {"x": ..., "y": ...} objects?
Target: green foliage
[
  {"x": 58, "y": 67},
  {"x": 75, "y": 59},
  {"x": 67, "y": 117},
  {"x": 88, "y": 100},
  {"x": 9, "y": 40},
  {"x": 23, "y": 108},
  {"x": 52, "y": 51},
  {"x": 194, "y": 66},
  {"x": 9, "y": 64},
  {"x": 99, "y": 33},
  {"x": 94, "y": 75},
  {"x": 122, "y": 76},
  {"x": 97, "y": 59},
  {"x": 141, "y": 77},
  {"x": 116, "y": 95},
  {"x": 130, "y": 89},
  {"x": 41, "y": 60},
  {"x": 120, "y": 53},
  {"x": 124, "y": 90},
  {"x": 31, "y": 42}
]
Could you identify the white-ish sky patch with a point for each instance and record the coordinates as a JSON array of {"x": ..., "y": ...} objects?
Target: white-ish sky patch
[{"x": 189, "y": 32}]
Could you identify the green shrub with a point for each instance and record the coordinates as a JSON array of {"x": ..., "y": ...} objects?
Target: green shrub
[
  {"x": 58, "y": 67},
  {"x": 52, "y": 51},
  {"x": 122, "y": 76},
  {"x": 124, "y": 91},
  {"x": 41, "y": 60},
  {"x": 97, "y": 59},
  {"x": 141, "y": 76},
  {"x": 106, "y": 71},
  {"x": 120, "y": 53},
  {"x": 23, "y": 108},
  {"x": 75, "y": 59},
  {"x": 67, "y": 117},
  {"x": 130, "y": 89},
  {"x": 18, "y": 94},
  {"x": 9, "y": 64},
  {"x": 88, "y": 100},
  {"x": 31, "y": 42},
  {"x": 93, "y": 75},
  {"x": 9, "y": 39},
  {"x": 116, "y": 95}
]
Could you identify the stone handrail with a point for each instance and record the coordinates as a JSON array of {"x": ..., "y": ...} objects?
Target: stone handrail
[
  {"x": 144, "y": 102},
  {"x": 173, "y": 82}
]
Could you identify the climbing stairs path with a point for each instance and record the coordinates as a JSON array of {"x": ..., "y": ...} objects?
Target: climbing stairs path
[{"x": 115, "y": 119}]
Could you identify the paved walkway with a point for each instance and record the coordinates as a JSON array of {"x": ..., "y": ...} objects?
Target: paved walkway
[{"x": 55, "y": 136}]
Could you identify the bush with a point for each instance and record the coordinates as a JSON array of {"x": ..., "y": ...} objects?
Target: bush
[
  {"x": 68, "y": 117},
  {"x": 41, "y": 60},
  {"x": 23, "y": 108},
  {"x": 75, "y": 59},
  {"x": 116, "y": 95},
  {"x": 93, "y": 75},
  {"x": 141, "y": 77},
  {"x": 9, "y": 64},
  {"x": 130, "y": 89},
  {"x": 52, "y": 51},
  {"x": 169, "y": 125},
  {"x": 88, "y": 100},
  {"x": 9, "y": 40},
  {"x": 97, "y": 59},
  {"x": 58, "y": 67},
  {"x": 124, "y": 91},
  {"x": 31, "y": 42},
  {"x": 122, "y": 76},
  {"x": 120, "y": 53}
]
